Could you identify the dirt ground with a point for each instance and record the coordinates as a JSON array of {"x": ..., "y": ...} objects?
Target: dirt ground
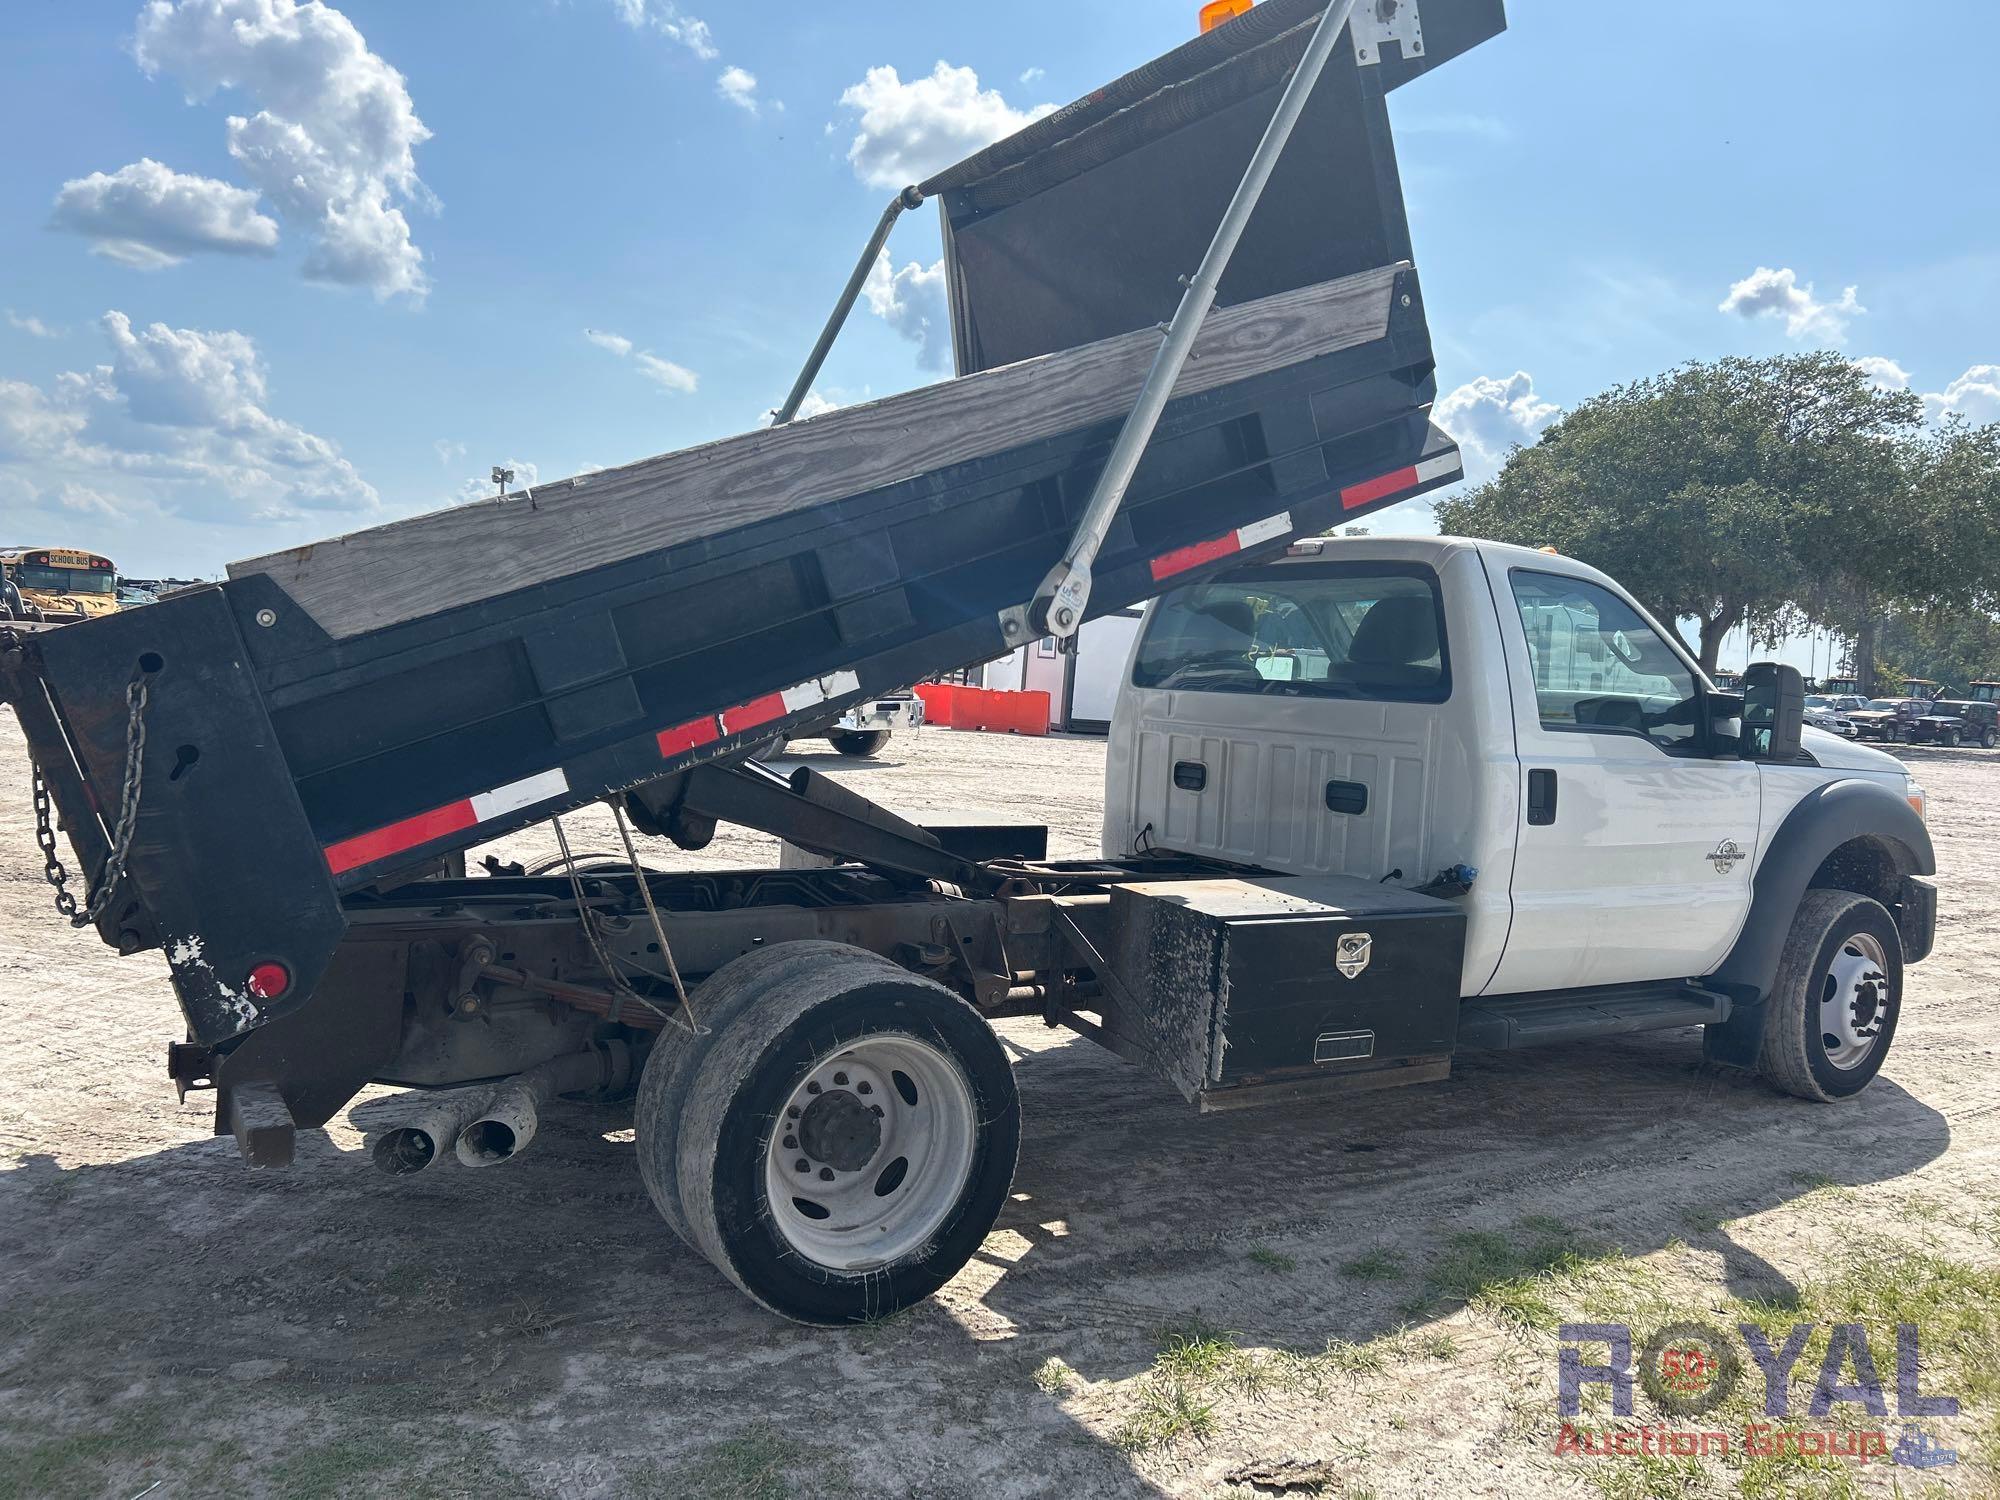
[{"x": 1355, "y": 1300}]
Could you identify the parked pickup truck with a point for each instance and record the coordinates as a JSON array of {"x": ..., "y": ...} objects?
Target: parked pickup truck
[{"x": 1646, "y": 852}]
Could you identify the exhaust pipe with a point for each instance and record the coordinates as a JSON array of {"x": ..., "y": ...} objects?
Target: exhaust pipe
[
  {"x": 512, "y": 1113},
  {"x": 427, "y": 1137}
]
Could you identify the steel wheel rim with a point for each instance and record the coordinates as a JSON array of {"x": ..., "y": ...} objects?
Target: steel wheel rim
[
  {"x": 852, "y": 1196},
  {"x": 1854, "y": 1003}
]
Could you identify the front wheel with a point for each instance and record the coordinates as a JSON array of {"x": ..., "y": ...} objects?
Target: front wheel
[
  {"x": 1839, "y": 990},
  {"x": 1989, "y": 737},
  {"x": 858, "y": 742},
  {"x": 845, "y": 1140}
]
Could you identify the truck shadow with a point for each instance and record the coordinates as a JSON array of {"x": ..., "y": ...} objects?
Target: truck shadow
[
  {"x": 543, "y": 1304},
  {"x": 1328, "y": 1222}
]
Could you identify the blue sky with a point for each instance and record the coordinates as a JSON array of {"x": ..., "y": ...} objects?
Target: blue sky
[{"x": 385, "y": 275}]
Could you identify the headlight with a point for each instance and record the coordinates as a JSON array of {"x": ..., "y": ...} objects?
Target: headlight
[{"x": 1915, "y": 793}]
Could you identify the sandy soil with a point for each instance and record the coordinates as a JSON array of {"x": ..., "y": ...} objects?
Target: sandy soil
[{"x": 168, "y": 1315}]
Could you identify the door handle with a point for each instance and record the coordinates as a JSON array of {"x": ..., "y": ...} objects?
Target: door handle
[{"x": 1541, "y": 798}]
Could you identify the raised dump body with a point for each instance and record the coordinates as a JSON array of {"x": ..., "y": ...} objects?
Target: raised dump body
[{"x": 336, "y": 716}]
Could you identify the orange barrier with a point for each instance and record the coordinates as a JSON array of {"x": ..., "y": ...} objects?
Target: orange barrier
[{"x": 993, "y": 709}]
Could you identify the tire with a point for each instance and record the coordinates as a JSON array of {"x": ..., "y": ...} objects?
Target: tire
[
  {"x": 1840, "y": 945},
  {"x": 671, "y": 1066},
  {"x": 858, "y": 742},
  {"x": 1989, "y": 737},
  {"x": 858, "y": 1233},
  {"x": 1952, "y": 738}
]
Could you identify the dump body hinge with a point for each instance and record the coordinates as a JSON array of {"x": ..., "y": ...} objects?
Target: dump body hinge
[{"x": 1378, "y": 22}]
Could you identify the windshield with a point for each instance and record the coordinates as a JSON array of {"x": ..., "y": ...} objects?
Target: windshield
[
  {"x": 65, "y": 580},
  {"x": 1887, "y": 705},
  {"x": 1815, "y": 701},
  {"x": 1314, "y": 630}
]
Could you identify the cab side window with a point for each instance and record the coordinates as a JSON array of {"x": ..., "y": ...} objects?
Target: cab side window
[{"x": 1600, "y": 668}]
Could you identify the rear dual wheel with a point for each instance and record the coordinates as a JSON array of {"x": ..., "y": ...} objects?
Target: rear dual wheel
[{"x": 839, "y": 1141}]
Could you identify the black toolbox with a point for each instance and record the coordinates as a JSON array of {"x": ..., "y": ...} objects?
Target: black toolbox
[{"x": 1238, "y": 989}]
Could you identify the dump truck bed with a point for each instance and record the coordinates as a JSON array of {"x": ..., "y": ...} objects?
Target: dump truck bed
[{"x": 332, "y": 717}]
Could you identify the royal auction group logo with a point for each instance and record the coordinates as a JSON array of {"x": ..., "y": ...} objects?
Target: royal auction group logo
[{"x": 1690, "y": 1369}]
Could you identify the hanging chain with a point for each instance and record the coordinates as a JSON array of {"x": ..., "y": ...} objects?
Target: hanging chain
[{"x": 136, "y": 693}]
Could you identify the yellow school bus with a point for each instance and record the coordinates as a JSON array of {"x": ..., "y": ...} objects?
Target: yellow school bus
[{"x": 59, "y": 583}]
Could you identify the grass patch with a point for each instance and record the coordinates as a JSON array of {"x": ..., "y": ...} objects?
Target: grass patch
[
  {"x": 1648, "y": 1478},
  {"x": 1375, "y": 1265},
  {"x": 341, "y": 1466},
  {"x": 1526, "y": 1277},
  {"x": 756, "y": 1464},
  {"x": 35, "y": 1465},
  {"x": 1197, "y": 1350},
  {"x": 1702, "y": 1220},
  {"x": 1271, "y": 1260},
  {"x": 1052, "y": 1377},
  {"x": 1170, "y": 1410},
  {"x": 1956, "y": 1308}
]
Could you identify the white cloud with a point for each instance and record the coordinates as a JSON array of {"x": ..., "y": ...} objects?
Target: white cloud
[
  {"x": 147, "y": 215},
  {"x": 814, "y": 405},
  {"x": 1975, "y": 395},
  {"x": 333, "y": 141},
  {"x": 84, "y": 500},
  {"x": 448, "y": 452},
  {"x": 1777, "y": 294},
  {"x": 481, "y": 486},
  {"x": 175, "y": 423},
  {"x": 1885, "y": 374},
  {"x": 666, "y": 373},
  {"x": 908, "y": 131},
  {"x": 739, "y": 87},
  {"x": 1488, "y": 416},
  {"x": 1034, "y": 75},
  {"x": 662, "y": 372},
  {"x": 911, "y": 301},
  {"x": 666, "y": 18},
  {"x": 33, "y": 326}
]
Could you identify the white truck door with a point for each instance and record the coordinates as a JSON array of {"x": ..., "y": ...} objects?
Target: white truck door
[{"x": 1636, "y": 843}]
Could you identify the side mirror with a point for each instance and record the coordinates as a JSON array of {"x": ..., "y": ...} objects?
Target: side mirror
[{"x": 1774, "y": 711}]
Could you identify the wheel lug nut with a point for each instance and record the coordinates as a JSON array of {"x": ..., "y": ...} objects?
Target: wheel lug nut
[
  {"x": 803, "y": 1165},
  {"x": 813, "y": 1087},
  {"x": 791, "y": 1143},
  {"x": 841, "y": 1079},
  {"x": 826, "y": 1174},
  {"x": 791, "y": 1111},
  {"x": 864, "y": 1087}
]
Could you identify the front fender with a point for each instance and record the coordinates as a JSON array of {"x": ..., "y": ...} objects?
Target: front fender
[{"x": 1833, "y": 814}]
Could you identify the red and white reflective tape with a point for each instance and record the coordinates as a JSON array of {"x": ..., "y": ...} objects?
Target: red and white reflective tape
[
  {"x": 1445, "y": 465},
  {"x": 453, "y": 817},
  {"x": 764, "y": 710},
  {"x": 1227, "y": 545}
]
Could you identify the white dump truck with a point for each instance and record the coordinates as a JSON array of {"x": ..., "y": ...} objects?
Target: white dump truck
[{"x": 1371, "y": 803}]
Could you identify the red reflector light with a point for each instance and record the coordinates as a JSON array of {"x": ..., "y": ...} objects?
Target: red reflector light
[{"x": 269, "y": 981}]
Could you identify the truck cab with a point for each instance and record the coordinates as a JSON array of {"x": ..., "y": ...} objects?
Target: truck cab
[{"x": 1395, "y": 709}]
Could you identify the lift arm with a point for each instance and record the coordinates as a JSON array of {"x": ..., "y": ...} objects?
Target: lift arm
[{"x": 1058, "y": 606}]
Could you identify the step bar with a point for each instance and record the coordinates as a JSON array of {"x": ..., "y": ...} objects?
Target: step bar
[{"x": 1507, "y": 1022}]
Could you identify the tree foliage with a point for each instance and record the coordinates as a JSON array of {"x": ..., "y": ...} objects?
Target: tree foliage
[{"x": 1774, "y": 492}]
